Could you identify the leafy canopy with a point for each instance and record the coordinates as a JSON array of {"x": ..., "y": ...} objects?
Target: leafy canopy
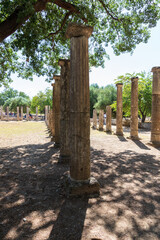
[
  {"x": 144, "y": 93},
  {"x": 32, "y": 32},
  {"x": 41, "y": 100}
]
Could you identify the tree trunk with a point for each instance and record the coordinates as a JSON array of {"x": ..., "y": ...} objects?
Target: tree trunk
[{"x": 143, "y": 118}]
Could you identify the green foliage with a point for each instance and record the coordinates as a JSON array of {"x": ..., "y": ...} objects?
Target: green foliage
[
  {"x": 101, "y": 97},
  {"x": 106, "y": 96},
  {"x": 18, "y": 102},
  {"x": 41, "y": 100},
  {"x": 12, "y": 98},
  {"x": 94, "y": 88},
  {"x": 144, "y": 94},
  {"x": 39, "y": 41}
]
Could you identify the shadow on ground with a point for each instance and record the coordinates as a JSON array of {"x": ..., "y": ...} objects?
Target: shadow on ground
[{"x": 34, "y": 204}]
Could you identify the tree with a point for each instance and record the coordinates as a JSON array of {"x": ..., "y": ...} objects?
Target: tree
[
  {"x": 106, "y": 96},
  {"x": 41, "y": 100},
  {"x": 144, "y": 94},
  {"x": 7, "y": 94},
  {"x": 13, "y": 103},
  {"x": 93, "y": 97},
  {"x": 32, "y": 32}
]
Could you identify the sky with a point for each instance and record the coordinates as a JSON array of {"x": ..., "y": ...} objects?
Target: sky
[{"x": 145, "y": 57}]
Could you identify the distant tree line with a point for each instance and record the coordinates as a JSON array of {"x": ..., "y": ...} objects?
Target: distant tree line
[{"x": 100, "y": 97}]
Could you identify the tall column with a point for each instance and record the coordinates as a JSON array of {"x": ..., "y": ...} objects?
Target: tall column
[
  {"x": 46, "y": 115},
  {"x": 134, "y": 109},
  {"x": 94, "y": 119},
  {"x": 27, "y": 114},
  {"x": 108, "y": 119},
  {"x": 80, "y": 112},
  {"x": 64, "y": 110},
  {"x": 1, "y": 113},
  {"x": 57, "y": 111},
  {"x": 36, "y": 113},
  {"x": 22, "y": 113},
  {"x": 53, "y": 114},
  {"x": 101, "y": 120},
  {"x": 17, "y": 113},
  {"x": 155, "y": 124},
  {"x": 7, "y": 113},
  {"x": 119, "y": 113}
]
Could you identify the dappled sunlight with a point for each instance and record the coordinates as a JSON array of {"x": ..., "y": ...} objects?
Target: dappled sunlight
[{"x": 34, "y": 203}]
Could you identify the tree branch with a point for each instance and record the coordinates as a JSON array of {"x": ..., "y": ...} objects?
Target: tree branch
[
  {"x": 12, "y": 23},
  {"x": 62, "y": 24},
  {"x": 107, "y": 11}
]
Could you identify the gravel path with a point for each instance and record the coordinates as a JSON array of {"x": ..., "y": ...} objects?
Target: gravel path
[{"x": 33, "y": 201}]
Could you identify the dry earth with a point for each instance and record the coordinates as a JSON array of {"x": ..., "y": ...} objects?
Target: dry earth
[{"x": 33, "y": 200}]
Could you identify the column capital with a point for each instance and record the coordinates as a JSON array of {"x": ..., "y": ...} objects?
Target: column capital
[
  {"x": 56, "y": 77},
  {"x": 78, "y": 30},
  {"x": 155, "y": 69},
  {"x": 61, "y": 62},
  {"x": 133, "y": 79},
  {"x": 119, "y": 84}
]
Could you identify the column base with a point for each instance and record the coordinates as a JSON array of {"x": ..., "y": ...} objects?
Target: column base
[
  {"x": 119, "y": 134},
  {"x": 100, "y": 129},
  {"x": 109, "y": 132},
  {"x": 57, "y": 145},
  {"x": 154, "y": 144},
  {"x": 52, "y": 139},
  {"x": 94, "y": 128},
  {"x": 134, "y": 138},
  {"x": 64, "y": 159},
  {"x": 89, "y": 187}
]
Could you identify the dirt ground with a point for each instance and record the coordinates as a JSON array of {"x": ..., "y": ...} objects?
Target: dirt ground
[{"x": 33, "y": 200}]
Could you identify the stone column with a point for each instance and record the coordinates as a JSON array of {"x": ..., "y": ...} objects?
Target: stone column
[
  {"x": 80, "y": 181},
  {"x": 46, "y": 115},
  {"x": 22, "y": 113},
  {"x": 1, "y": 113},
  {"x": 155, "y": 124},
  {"x": 57, "y": 111},
  {"x": 101, "y": 120},
  {"x": 94, "y": 119},
  {"x": 7, "y": 113},
  {"x": 64, "y": 110},
  {"x": 27, "y": 114},
  {"x": 53, "y": 114},
  {"x": 17, "y": 113},
  {"x": 36, "y": 113},
  {"x": 134, "y": 109},
  {"x": 119, "y": 114},
  {"x": 108, "y": 119}
]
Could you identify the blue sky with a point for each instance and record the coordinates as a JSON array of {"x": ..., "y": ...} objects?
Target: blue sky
[{"x": 145, "y": 57}]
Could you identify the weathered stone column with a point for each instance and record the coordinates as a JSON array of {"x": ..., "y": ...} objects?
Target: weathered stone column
[
  {"x": 1, "y": 113},
  {"x": 80, "y": 181},
  {"x": 64, "y": 110},
  {"x": 46, "y": 115},
  {"x": 134, "y": 109},
  {"x": 17, "y": 113},
  {"x": 22, "y": 113},
  {"x": 57, "y": 111},
  {"x": 36, "y": 113},
  {"x": 101, "y": 120},
  {"x": 108, "y": 119},
  {"x": 27, "y": 114},
  {"x": 94, "y": 119},
  {"x": 119, "y": 129},
  {"x": 155, "y": 124},
  {"x": 7, "y": 113},
  {"x": 53, "y": 114}
]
